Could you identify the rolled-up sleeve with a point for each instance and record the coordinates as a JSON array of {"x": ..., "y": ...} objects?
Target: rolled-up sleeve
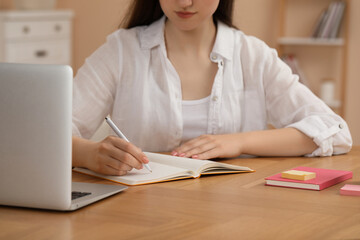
[
  {"x": 332, "y": 136},
  {"x": 292, "y": 104}
]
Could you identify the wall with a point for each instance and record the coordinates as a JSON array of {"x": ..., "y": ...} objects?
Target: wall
[
  {"x": 352, "y": 110},
  {"x": 95, "y": 19},
  {"x": 258, "y": 18}
]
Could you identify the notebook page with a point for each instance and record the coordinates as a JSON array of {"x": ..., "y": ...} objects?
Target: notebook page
[
  {"x": 159, "y": 172},
  {"x": 181, "y": 162}
]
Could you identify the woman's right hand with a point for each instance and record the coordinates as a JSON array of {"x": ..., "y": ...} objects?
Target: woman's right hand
[{"x": 111, "y": 156}]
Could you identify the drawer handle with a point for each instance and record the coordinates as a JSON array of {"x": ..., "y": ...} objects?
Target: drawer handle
[
  {"x": 57, "y": 28},
  {"x": 41, "y": 53},
  {"x": 26, "y": 29}
]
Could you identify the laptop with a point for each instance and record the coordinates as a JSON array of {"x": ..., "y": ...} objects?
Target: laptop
[{"x": 35, "y": 140}]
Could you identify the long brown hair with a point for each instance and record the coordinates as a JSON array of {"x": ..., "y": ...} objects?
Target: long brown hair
[{"x": 145, "y": 12}]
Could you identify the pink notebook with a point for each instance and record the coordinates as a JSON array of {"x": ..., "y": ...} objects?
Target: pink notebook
[
  {"x": 350, "y": 190},
  {"x": 324, "y": 178}
]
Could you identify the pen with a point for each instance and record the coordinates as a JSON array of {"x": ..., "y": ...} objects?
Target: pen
[{"x": 121, "y": 135}]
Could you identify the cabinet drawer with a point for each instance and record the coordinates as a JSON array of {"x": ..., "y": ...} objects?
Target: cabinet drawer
[
  {"x": 36, "y": 29},
  {"x": 50, "y": 52}
]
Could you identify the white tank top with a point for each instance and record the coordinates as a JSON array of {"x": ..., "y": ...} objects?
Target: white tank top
[{"x": 195, "y": 118}]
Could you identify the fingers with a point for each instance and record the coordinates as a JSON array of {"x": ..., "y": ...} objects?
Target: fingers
[
  {"x": 112, "y": 171},
  {"x": 105, "y": 164},
  {"x": 212, "y": 153},
  {"x": 201, "y": 147},
  {"x": 115, "y": 156},
  {"x": 126, "y": 153},
  {"x": 117, "y": 165},
  {"x": 184, "y": 148},
  {"x": 200, "y": 150}
]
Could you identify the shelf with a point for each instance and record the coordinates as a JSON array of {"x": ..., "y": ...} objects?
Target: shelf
[
  {"x": 335, "y": 42},
  {"x": 320, "y": 58}
]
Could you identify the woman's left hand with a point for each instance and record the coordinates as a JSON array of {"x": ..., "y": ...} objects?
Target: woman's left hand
[{"x": 211, "y": 146}]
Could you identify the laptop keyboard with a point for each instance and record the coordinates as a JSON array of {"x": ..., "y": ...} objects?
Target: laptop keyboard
[{"x": 75, "y": 195}]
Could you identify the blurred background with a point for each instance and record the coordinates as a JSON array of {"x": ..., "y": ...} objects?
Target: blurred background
[{"x": 319, "y": 39}]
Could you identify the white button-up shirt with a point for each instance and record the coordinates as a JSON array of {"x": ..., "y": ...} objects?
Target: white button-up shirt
[{"x": 131, "y": 79}]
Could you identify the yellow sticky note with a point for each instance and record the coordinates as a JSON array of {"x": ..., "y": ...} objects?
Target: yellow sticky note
[{"x": 298, "y": 175}]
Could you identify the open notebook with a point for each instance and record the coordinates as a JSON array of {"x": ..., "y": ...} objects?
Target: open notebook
[{"x": 168, "y": 168}]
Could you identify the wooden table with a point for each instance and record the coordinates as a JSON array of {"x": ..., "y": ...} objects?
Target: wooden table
[{"x": 234, "y": 206}]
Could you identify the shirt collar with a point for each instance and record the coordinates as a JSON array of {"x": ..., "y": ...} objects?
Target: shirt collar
[
  {"x": 224, "y": 41},
  {"x": 153, "y": 35}
]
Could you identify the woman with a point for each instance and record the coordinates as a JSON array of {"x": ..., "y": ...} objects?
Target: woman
[{"x": 180, "y": 78}]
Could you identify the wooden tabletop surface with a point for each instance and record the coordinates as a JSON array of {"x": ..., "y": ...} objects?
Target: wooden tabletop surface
[{"x": 231, "y": 206}]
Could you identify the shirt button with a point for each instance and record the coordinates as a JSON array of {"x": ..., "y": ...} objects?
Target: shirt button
[
  {"x": 341, "y": 126},
  {"x": 215, "y": 98},
  {"x": 214, "y": 57}
]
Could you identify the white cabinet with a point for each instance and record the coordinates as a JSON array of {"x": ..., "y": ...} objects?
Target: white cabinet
[{"x": 42, "y": 37}]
